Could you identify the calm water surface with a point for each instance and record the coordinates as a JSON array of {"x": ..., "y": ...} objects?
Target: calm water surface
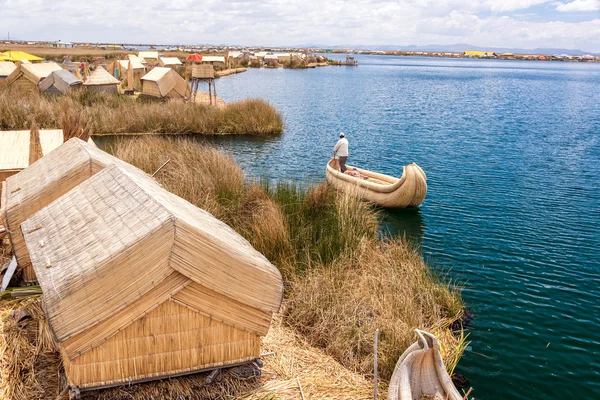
[{"x": 511, "y": 150}]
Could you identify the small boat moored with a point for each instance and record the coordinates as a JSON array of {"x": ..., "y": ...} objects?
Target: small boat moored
[
  {"x": 420, "y": 373},
  {"x": 386, "y": 191}
]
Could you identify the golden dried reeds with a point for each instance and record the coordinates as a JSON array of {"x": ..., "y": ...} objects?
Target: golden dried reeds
[
  {"x": 30, "y": 359},
  {"x": 111, "y": 113},
  {"x": 75, "y": 124},
  {"x": 35, "y": 146},
  {"x": 342, "y": 282}
]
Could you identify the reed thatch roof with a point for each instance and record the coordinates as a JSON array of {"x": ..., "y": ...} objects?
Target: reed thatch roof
[
  {"x": 101, "y": 77},
  {"x": 61, "y": 81},
  {"x": 148, "y": 55},
  {"x": 6, "y": 68},
  {"x": 107, "y": 243},
  {"x": 162, "y": 61},
  {"x": 15, "y": 147},
  {"x": 62, "y": 168},
  {"x": 33, "y": 72},
  {"x": 167, "y": 80},
  {"x": 135, "y": 63},
  {"x": 207, "y": 59}
]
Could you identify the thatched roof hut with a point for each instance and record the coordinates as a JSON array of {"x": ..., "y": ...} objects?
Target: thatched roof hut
[
  {"x": 140, "y": 284},
  {"x": 26, "y": 190},
  {"x": 6, "y": 68},
  {"x": 164, "y": 82},
  {"x": 15, "y": 145},
  {"x": 59, "y": 82},
  {"x": 101, "y": 81},
  {"x": 170, "y": 62},
  {"x": 148, "y": 55},
  {"x": 27, "y": 76},
  {"x": 123, "y": 66}
]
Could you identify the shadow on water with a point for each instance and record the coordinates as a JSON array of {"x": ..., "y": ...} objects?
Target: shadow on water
[{"x": 402, "y": 222}]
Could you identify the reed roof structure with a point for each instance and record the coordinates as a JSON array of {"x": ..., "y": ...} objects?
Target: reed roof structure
[
  {"x": 26, "y": 190},
  {"x": 140, "y": 284},
  {"x": 101, "y": 80},
  {"x": 28, "y": 76},
  {"x": 169, "y": 61},
  {"x": 6, "y": 68},
  {"x": 60, "y": 82},
  {"x": 148, "y": 55},
  {"x": 15, "y": 147},
  {"x": 164, "y": 82}
]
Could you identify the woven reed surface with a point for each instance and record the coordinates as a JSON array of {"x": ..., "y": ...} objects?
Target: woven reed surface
[
  {"x": 107, "y": 243},
  {"x": 101, "y": 77},
  {"x": 115, "y": 233},
  {"x": 168, "y": 340},
  {"x": 97, "y": 334},
  {"x": 408, "y": 191},
  {"x": 203, "y": 71},
  {"x": 62, "y": 168},
  {"x": 224, "y": 309},
  {"x": 15, "y": 146},
  {"x": 420, "y": 372},
  {"x": 164, "y": 82},
  {"x": 113, "y": 248}
]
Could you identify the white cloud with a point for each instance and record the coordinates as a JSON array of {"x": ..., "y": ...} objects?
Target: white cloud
[
  {"x": 580, "y": 5},
  {"x": 291, "y": 22}
]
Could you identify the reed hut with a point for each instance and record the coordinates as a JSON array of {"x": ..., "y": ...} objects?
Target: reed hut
[
  {"x": 16, "y": 147},
  {"x": 164, "y": 82},
  {"x": 215, "y": 61},
  {"x": 6, "y": 68},
  {"x": 101, "y": 81},
  {"x": 26, "y": 77},
  {"x": 60, "y": 82},
  {"x": 170, "y": 62},
  {"x": 148, "y": 55},
  {"x": 139, "y": 284},
  {"x": 123, "y": 66},
  {"x": 26, "y": 190}
]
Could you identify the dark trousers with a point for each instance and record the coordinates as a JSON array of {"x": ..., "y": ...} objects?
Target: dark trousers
[{"x": 343, "y": 163}]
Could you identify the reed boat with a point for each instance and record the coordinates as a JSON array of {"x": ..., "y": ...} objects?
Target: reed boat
[
  {"x": 420, "y": 373},
  {"x": 386, "y": 191}
]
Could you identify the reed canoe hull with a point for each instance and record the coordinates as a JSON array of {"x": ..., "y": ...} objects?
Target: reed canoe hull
[{"x": 408, "y": 191}]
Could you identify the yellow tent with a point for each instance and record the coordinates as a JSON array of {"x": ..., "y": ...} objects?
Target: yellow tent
[{"x": 19, "y": 56}]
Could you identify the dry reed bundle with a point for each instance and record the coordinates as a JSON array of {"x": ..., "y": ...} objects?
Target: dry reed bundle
[
  {"x": 30, "y": 367},
  {"x": 35, "y": 146},
  {"x": 387, "y": 287},
  {"x": 75, "y": 124},
  {"x": 294, "y": 360}
]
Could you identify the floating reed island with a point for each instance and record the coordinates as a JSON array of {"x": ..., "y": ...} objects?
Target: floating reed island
[
  {"x": 341, "y": 281},
  {"x": 110, "y": 113}
]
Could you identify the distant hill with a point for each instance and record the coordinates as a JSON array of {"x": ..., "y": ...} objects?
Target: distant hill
[{"x": 458, "y": 47}]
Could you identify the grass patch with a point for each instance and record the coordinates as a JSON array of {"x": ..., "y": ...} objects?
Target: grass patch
[
  {"x": 111, "y": 113},
  {"x": 341, "y": 281}
]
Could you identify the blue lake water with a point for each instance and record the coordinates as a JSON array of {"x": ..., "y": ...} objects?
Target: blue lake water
[{"x": 512, "y": 154}]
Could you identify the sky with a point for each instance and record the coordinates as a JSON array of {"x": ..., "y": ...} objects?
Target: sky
[{"x": 528, "y": 24}]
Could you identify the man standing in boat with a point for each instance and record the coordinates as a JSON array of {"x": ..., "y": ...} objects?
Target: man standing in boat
[{"x": 341, "y": 148}]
